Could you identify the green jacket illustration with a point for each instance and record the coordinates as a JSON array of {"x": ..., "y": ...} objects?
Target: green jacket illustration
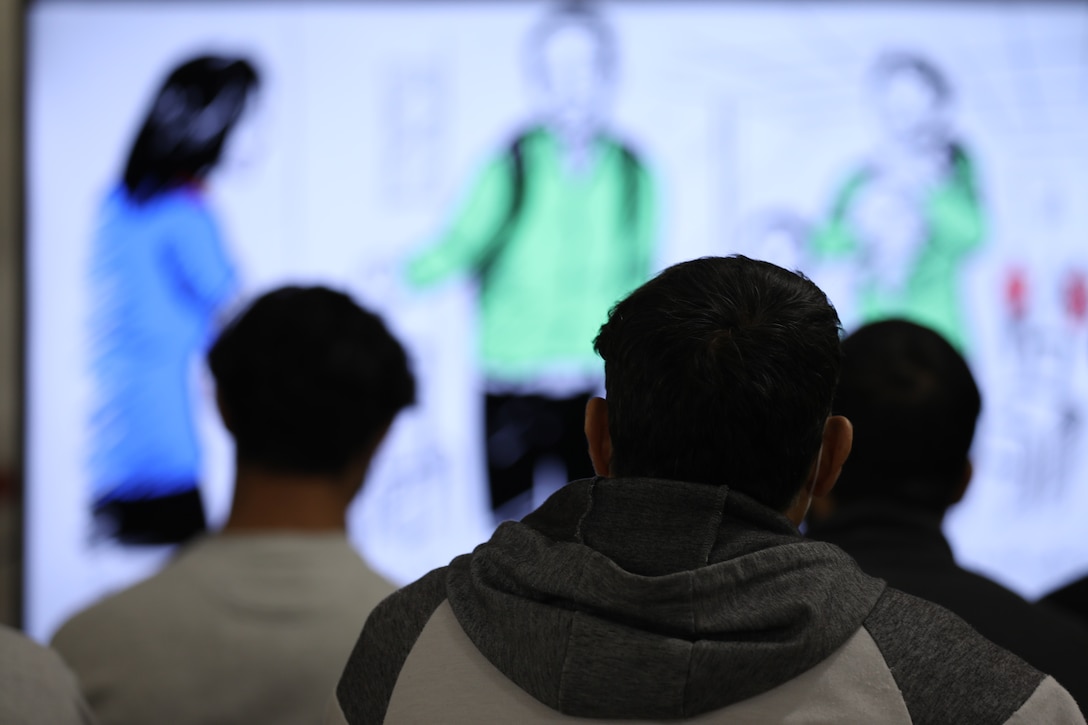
[
  {"x": 553, "y": 252},
  {"x": 954, "y": 221}
]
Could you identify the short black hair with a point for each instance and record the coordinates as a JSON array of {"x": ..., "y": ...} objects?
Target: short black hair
[
  {"x": 576, "y": 13},
  {"x": 182, "y": 136},
  {"x": 914, "y": 405},
  {"x": 894, "y": 62},
  {"x": 722, "y": 371},
  {"x": 308, "y": 380}
]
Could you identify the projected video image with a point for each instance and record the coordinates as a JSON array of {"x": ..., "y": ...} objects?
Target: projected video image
[{"x": 491, "y": 178}]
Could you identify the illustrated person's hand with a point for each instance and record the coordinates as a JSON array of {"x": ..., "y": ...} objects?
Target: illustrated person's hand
[
  {"x": 915, "y": 170},
  {"x": 891, "y": 227},
  {"x": 380, "y": 281}
]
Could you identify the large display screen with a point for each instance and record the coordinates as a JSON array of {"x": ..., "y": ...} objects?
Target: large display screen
[{"x": 490, "y": 178}]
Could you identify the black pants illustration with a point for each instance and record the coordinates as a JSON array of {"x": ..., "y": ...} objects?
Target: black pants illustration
[
  {"x": 172, "y": 519},
  {"x": 523, "y": 431}
]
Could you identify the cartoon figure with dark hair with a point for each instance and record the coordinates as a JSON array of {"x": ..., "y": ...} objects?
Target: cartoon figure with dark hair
[
  {"x": 911, "y": 215},
  {"x": 558, "y": 227},
  {"x": 159, "y": 276}
]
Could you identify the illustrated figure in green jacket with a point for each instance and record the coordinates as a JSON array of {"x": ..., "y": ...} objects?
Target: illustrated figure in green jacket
[
  {"x": 910, "y": 217},
  {"x": 557, "y": 228}
]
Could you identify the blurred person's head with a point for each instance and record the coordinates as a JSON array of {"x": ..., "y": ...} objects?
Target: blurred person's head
[
  {"x": 914, "y": 405},
  {"x": 187, "y": 126},
  {"x": 308, "y": 384},
  {"x": 913, "y": 96},
  {"x": 572, "y": 59},
  {"x": 722, "y": 371}
]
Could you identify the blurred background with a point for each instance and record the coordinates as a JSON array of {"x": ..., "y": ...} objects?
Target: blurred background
[{"x": 10, "y": 304}]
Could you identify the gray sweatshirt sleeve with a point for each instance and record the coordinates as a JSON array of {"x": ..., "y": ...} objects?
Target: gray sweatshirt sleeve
[
  {"x": 948, "y": 672},
  {"x": 1050, "y": 703},
  {"x": 389, "y": 634}
]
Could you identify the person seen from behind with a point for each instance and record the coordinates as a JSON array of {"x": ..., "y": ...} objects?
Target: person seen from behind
[
  {"x": 675, "y": 585},
  {"x": 914, "y": 404},
  {"x": 253, "y": 624}
]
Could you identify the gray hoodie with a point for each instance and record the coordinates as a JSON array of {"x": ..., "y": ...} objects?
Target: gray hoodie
[{"x": 662, "y": 600}]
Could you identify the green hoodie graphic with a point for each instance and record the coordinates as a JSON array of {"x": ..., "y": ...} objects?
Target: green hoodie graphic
[
  {"x": 955, "y": 225},
  {"x": 553, "y": 252}
]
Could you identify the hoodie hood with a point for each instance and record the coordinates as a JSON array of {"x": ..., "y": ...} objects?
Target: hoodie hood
[{"x": 643, "y": 598}]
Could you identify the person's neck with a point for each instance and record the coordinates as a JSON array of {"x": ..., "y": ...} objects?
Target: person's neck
[
  {"x": 577, "y": 146},
  {"x": 269, "y": 500}
]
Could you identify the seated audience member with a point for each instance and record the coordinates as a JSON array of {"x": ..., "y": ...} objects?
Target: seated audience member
[
  {"x": 675, "y": 584},
  {"x": 914, "y": 403},
  {"x": 254, "y": 624},
  {"x": 1072, "y": 599},
  {"x": 35, "y": 685}
]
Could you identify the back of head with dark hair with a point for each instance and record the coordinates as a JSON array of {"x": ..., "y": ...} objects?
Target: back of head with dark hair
[
  {"x": 914, "y": 405},
  {"x": 183, "y": 134},
  {"x": 308, "y": 380},
  {"x": 721, "y": 371}
]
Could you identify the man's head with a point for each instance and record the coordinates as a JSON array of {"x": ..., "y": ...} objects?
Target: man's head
[
  {"x": 914, "y": 405},
  {"x": 308, "y": 382},
  {"x": 722, "y": 371},
  {"x": 571, "y": 59}
]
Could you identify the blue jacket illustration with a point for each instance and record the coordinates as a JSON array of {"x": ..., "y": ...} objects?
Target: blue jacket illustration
[{"x": 159, "y": 275}]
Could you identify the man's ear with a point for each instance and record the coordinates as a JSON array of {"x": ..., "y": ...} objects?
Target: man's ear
[
  {"x": 598, "y": 437},
  {"x": 224, "y": 413},
  {"x": 838, "y": 439},
  {"x": 834, "y": 449}
]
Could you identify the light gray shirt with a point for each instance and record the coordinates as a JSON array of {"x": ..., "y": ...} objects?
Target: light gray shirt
[{"x": 237, "y": 629}]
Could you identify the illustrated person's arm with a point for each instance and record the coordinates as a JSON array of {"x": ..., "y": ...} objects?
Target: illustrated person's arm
[
  {"x": 837, "y": 238},
  {"x": 197, "y": 259},
  {"x": 470, "y": 239},
  {"x": 645, "y": 227},
  {"x": 955, "y": 211}
]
